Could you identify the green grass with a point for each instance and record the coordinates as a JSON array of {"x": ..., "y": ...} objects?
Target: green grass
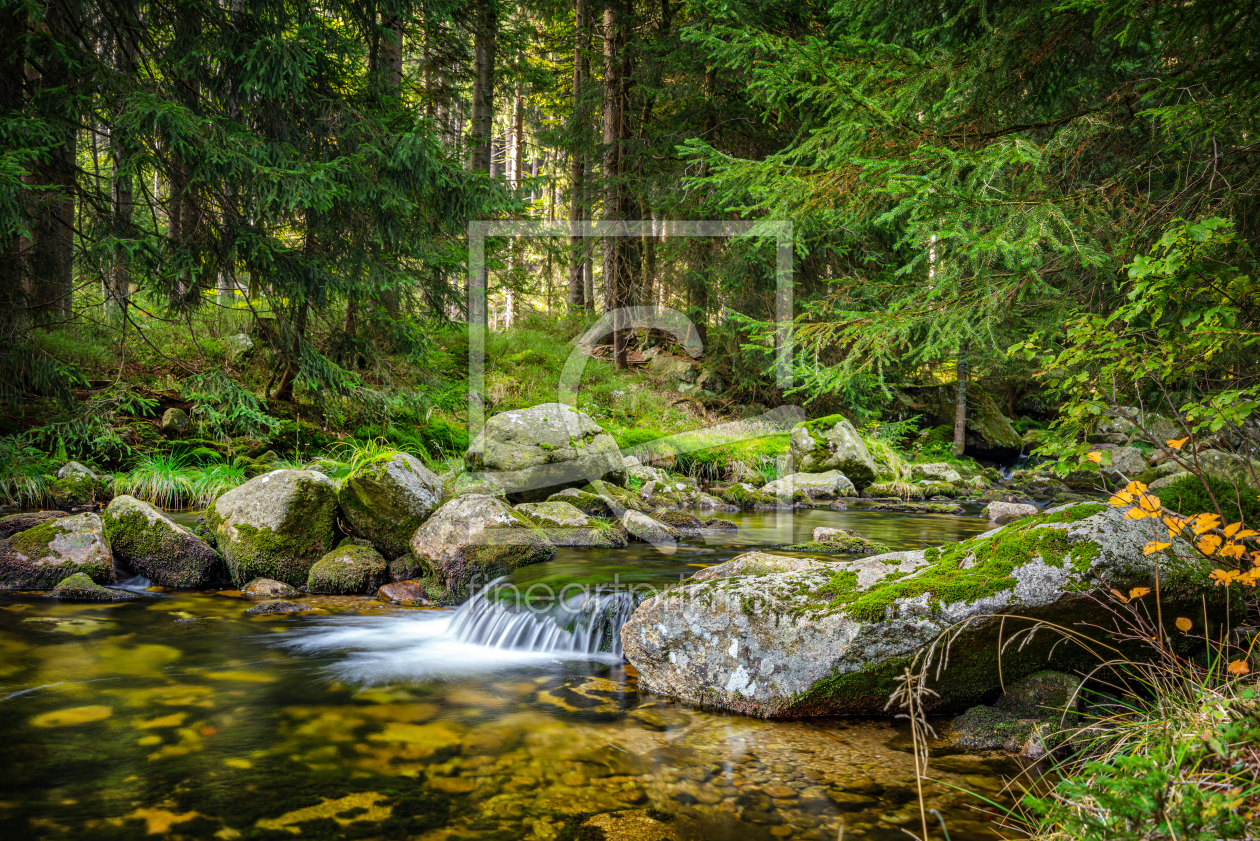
[
  {"x": 25, "y": 473},
  {"x": 163, "y": 479},
  {"x": 209, "y": 483}
]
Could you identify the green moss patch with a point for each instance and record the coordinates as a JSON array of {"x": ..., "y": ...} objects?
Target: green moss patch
[{"x": 347, "y": 570}]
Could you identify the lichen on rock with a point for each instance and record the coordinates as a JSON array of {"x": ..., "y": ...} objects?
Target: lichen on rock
[
  {"x": 39, "y": 557},
  {"x": 833, "y": 640}
]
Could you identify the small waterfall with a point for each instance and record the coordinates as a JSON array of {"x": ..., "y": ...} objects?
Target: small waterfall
[
  {"x": 135, "y": 584},
  {"x": 585, "y": 623},
  {"x": 1010, "y": 469}
]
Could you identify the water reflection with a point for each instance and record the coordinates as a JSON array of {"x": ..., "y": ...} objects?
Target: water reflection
[{"x": 181, "y": 717}]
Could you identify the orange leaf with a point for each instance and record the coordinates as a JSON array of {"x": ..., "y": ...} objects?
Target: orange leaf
[
  {"x": 1177, "y": 443},
  {"x": 1095, "y": 457},
  {"x": 1153, "y": 547},
  {"x": 1119, "y": 595},
  {"x": 1122, "y": 498},
  {"x": 1138, "y": 514},
  {"x": 1138, "y": 592},
  {"x": 1149, "y": 503},
  {"x": 1204, "y": 522},
  {"x": 1184, "y": 624},
  {"x": 1232, "y": 550},
  {"x": 1232, "y": 528},
  {"x": 1238, "y": 667},
  {"x": 1209, "y": 543},
  {"x": 1223, "y": 576},
  {"x": 1246, "y": 533}
]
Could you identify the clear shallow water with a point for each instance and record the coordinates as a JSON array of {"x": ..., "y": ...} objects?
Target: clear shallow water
[{"x": 369, "y": 721}]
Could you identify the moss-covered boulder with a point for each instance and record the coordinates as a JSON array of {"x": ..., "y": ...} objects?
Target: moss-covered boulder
[
  {"x": 591, "y": 504},
  {"x": 461, "y": 482},
  {"x": 15, "y": 523},
  {"x": 838, "y": 541},
  {"x": 937, "y": 471},
  {"x": 743, "y": 495},
  {"x": 275, "y": 525},
  {"x": 831, "y": 443},
  {"x": 473, "y": 539},
  {"x": 831, "y": 484},
  {"x": 80, "y": 588},
  {"x": 39, "y": 557},
  {"x": 152, "y": 544},
  {"x": 565, "y": 525},
  {"x": 275, "y": 607},
  {"x": 79, "y": 491},
  {"x": 1031, "y": 718},
  {"x": 347, "y": 570},
  {"x": 830, "y": 641},
  {"x": 649, "y": 530},
  {"x": 387, "y": 499},
  {"x": 534, "y": 452}
]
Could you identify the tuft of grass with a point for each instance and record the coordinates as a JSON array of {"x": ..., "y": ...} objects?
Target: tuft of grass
[
  {"x": 25, "y": 473},
  {"x": 162, "y": 479},
  {"x": 211, "y": 482}
]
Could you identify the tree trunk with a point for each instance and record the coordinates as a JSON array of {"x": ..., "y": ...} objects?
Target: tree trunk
[
  {"x": 960, "y": 406},
  {"x": 295, "y": 339},
  {"x": 484, "y": 49},
  {"x": 50, "y": 257},
  {"x": 577, "y": 170},
  {"x": 517, "y": 144},
  {"x": 122, "y": 190},
  {"x": 392, "y": 55},
  {"x": 12, "y": 297},
  {"x": 614, "y": 253}
]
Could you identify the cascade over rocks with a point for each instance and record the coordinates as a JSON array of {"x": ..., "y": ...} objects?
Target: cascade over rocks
[
  {"x": 831, "y": 443},
  {"x": 387, "y": 499},
  {"x": 275, "y": 525},
  {"x": 40, "y": 557},
  {"x": 534, "y": 452},
  {"x": 154, "y": 545},
  {"x": 832, "y": 639},
  {"x": 474, "y": 539}
]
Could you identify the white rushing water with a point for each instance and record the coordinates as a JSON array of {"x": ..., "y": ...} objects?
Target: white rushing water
[{"x": 488, "y": 633}]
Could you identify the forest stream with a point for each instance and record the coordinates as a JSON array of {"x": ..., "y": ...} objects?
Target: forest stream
[{"x": 178, "y": 716}]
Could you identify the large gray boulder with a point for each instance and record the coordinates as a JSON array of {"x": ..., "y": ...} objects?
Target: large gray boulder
[
  {"x": 1008, "y": 512},
  {"x": 387, "y": 499},
  {"x": 833, "y": 640},
  {"x": 831, "y": 443},
  {"x": 275, "y": 525},
  {"x": 154, "y": 545},
  {"x": 827, "y": 485},
  {"x": 565, "y": 525},
  {"x": 936, "y": 471},
  {"x": 1233, "y": 468},
  {"x": 534, "y": 452},
  {"x": 15, "y": 523},
  {"x": 1126, "y": 464},
  {"x": 474, "y": 539},
  {"x": 40, "y": 557}
]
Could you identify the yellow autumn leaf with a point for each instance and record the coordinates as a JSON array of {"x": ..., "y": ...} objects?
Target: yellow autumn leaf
[
  {"x": 1138, "y": 592},
  {"x": 1135, "y": 487},
  {"x": 1149, "y": 504},
  {"x": 1138, "y": 514},
  {"x": 1153, "y": 547},
  {"x": 1095, "y": 457},
  {"x": 1121, "y": 498},
  {"x": 1119, "y": 595},
  {"x": 1245, "y": 533},
  {"x": 1204, "y": 522},
  {"x": 1232, "y": 528},
  {"x": 1223, "y": 576},
  {"x": 1184, "y": 624},
  {"x": 1232, "y": 550},
  {"x": 1209, "y": 543},
  {"x": 1251, "y": 577},
  {"x": 1238, "y": 667},
  {"x": 1177, "y": 443}
]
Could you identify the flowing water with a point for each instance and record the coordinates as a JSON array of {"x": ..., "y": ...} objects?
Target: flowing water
[{"x": 178, "y": 716}]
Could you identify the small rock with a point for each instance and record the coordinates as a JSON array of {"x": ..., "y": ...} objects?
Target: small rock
[
  {"x": 347, "y": 570},
  {"x": 174, "y": 423},
  {"x": 644, "y": 528},
  {"x": 276, "y": 606},
  {"x": 1008, "y": 512},
  {"x": 80, "y": 588},
  {"x": 413, "y": 592},
  {"x": 936, "y": 472},
  {"x": 74, "y": 467},
  {"x": 267, "y": 588}
]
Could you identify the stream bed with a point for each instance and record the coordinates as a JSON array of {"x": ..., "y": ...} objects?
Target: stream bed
[{"x": 178, "y": 716}]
